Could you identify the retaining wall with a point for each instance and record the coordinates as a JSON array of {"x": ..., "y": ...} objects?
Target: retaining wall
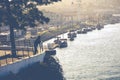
[{"x": 16, "y": 66}]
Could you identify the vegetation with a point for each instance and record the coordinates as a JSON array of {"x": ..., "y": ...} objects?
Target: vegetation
[
  {"x": 53, "y": 32},
  {"x": 18, "y": 14}
]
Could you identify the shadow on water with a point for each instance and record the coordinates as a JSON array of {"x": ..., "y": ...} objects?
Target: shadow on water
[{"x": 49, "y": 70}]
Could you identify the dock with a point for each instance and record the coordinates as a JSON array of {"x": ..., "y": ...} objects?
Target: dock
[{"x": 14, "y": 64}]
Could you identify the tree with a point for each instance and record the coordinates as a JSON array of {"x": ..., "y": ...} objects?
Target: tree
[{"x": 17, "y": 14}]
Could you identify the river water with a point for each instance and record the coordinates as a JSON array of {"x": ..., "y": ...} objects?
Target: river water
[{"x": 92, "y": 56}]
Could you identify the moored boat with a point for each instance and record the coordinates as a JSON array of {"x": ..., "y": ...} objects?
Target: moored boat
[{"x": 63, "y": 43}]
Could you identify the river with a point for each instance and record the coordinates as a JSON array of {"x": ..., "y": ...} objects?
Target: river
[{"x": 92, "y": 56}]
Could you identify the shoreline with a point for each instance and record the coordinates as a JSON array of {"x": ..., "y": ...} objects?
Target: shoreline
[
  {"x": 49, "y": 35},
  {"x": 46, "y": 37}
]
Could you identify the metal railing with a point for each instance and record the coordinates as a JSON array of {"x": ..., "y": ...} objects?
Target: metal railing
[{"x": 24, "y": 49}]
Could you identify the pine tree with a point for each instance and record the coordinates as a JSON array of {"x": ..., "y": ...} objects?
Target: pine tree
[{"x": 17, "y": 14}]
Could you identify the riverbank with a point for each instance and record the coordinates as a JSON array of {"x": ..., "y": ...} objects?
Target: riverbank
[
  {"x": 52, "y": 33},
  {"x": 51, "y": 68}
]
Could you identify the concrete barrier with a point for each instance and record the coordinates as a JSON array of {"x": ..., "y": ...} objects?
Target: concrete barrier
[{"x": 17, "y": 66}]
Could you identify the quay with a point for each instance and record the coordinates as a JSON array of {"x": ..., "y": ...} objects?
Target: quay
[
  {"x": 25, "y": 57},
  {"x": 14, "y": 65}
]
